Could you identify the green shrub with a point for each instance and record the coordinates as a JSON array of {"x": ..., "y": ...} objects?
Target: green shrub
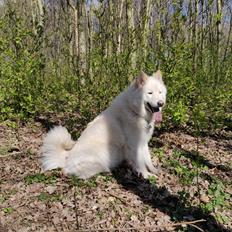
[{"x": 33, "y": 83}]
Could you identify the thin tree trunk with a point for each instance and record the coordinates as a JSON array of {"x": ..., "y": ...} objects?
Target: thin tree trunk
[
  {"x": 195, "y": 35},
  {"x": 202, "y": 32},
  {"x": 228, "y": 38},
  {"x": 90, "y": 38},
  {"x": 82, "y": 37},
  {"x": 119, "y": 38},
  {"x": 146, "y": 11},
  {"x": 131, "y": 32},
  {"x": 40, "y": 8},
  {"x": 74, "y": 51},
  {"x": 219, "y": 12},
  {"x": 110, "y": 41},
  {"x": 218, "y": 23},
  {"x": 190, "y": 16}
]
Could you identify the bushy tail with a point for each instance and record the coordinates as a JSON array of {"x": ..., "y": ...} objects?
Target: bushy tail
[{"x": 55, "y": 148}]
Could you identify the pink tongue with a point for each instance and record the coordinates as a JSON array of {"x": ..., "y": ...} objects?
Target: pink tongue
[{"x": 157, "y": 117}]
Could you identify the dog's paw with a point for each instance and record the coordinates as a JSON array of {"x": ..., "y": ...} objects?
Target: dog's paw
[
  {"x": 154, "y": 170},
  {"x": 147, "y": 175}
]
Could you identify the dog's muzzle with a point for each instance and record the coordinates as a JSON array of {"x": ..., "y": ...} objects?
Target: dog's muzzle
[{"x": 152, "y": 109}]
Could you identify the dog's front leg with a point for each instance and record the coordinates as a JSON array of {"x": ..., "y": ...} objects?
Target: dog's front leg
[
  {"x": 138, "y": 157},
  {"x": 148, "y": 161}
]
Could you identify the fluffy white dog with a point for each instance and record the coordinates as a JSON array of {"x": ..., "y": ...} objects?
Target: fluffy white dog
[{"x": 120, "y": 133}]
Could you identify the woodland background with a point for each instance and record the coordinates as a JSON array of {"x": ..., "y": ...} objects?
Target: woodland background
[{"x": 75, "y": 56}]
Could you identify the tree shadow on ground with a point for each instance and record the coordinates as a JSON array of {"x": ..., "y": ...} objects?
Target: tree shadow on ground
[
  {"x": 160, "y": 198},
  {"x": 197, "y": 157},
  {"x": 201, "y": 160}
]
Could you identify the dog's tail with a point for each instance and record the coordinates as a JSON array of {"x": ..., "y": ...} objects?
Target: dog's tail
[{"x": 55, "y": 148}]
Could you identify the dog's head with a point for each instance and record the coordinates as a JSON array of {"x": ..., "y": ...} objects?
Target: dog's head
[{"x": 152, "y": 93}]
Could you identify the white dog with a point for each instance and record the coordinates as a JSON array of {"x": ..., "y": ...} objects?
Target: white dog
[{"x": 119, "y": 133}]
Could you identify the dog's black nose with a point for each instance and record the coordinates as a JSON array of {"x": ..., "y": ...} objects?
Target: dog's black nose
[{"x": 160, "y": 103}]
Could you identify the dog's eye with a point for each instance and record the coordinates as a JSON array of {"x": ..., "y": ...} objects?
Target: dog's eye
[
  {"x": 160, "y": 92},
  {"x": 150, "y": 93}
]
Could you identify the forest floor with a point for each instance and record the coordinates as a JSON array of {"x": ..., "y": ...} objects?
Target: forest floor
[{"x": 195, "y": 182}]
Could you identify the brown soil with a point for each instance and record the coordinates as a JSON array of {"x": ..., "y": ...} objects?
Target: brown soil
[{"x": 120, "y": 201}]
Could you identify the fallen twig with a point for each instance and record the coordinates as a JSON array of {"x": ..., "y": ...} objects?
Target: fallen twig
[
  {"x": 119, "y": 198},
  {"x": 196, "y": 227},
  {"x": 76, "y": 210},
  {"x": 139, "y": 228}
]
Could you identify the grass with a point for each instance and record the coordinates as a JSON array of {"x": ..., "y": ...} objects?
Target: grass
[
  {"x": 152, "y": 180},
  {"x": 185, "y": 170},
  {"x": 50, "y": 197},
  {"x": 4, "y": 150},
  {"x": 30, "y": 153},
  {"x": 40, "y": 178},
  {"x": 8, "y": 210},
  {"x": 159, "y": 153},
  {"x": 218, "y": 201},
  {"x": 91, "y": 182},
  {"x": 188, "y": 171},
  {"x": 75, "y": 181}
]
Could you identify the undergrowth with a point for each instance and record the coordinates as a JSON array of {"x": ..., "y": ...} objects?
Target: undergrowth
[{"x": 33, "y": 85}]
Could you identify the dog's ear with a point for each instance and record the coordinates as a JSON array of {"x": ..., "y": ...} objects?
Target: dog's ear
[
  {"x": 141, "y": 79},
  {"x": 158, "y": 75}
]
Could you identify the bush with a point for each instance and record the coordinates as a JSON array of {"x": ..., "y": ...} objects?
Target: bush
[{"x": 199, "y": 94}]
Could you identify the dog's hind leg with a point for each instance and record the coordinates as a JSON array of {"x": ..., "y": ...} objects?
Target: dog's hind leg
[{"x": 85, "y": 170}]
